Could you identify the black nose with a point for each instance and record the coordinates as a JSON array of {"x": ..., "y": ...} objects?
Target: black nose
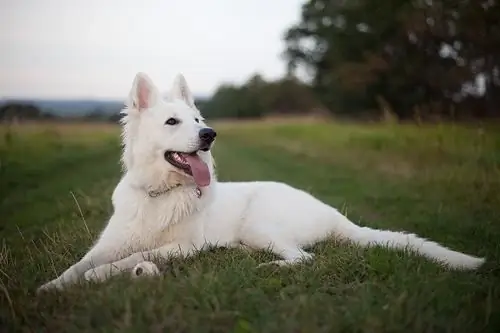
[{"x": 207, "y": 135}]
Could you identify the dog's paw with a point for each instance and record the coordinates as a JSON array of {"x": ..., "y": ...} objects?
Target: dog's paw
[
  {"x": 306, "y": 257},
  {"x": 277, "y": 263},
  {"x": 94, "y": 275},
  {"x": 145, "y": 268},
  {"x": 51, "y": 285}
]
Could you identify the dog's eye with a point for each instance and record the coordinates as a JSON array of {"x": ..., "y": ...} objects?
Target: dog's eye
[
  {"x": 197, "y": 120},
  {"x": 171, "y": 121}
]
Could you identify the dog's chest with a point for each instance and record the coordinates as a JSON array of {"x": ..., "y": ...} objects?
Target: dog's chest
[{"x": 165, "y": 221}]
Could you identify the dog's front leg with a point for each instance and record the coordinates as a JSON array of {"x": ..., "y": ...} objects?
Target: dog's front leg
[
  {"x": 101, "y": 253},
  {"x": 72, "y": 274},
  {"x": 105, "y": 271}
]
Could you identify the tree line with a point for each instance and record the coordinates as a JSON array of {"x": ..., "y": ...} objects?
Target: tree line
[
  {"x": 415, "y": 59},
  {"x": 258, "y": 97}
]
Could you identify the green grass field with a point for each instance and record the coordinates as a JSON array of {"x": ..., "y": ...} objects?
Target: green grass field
[{"x": 442, "y": 182}]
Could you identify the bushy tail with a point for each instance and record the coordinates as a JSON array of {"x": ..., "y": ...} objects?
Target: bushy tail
[{"x": 365, "y": 236}]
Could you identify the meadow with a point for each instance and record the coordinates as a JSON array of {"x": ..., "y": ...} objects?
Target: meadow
[{"x": 440, "y": 181}]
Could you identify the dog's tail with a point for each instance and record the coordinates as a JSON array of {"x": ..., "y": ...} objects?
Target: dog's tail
[{"x": 365, "y": 236}]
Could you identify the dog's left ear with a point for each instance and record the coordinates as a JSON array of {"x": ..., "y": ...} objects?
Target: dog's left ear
[{"x": 180, "y": 90}]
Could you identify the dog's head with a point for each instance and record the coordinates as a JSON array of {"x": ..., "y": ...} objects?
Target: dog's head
[{"x": 166, "y": 140}]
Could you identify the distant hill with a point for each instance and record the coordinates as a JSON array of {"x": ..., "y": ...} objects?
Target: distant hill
[{"x": 73, "y": 107}]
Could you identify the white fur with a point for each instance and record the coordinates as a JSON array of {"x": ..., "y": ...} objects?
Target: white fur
[
  {"x": 255, "y": 215},
  {"x": 143, "y": 269}
]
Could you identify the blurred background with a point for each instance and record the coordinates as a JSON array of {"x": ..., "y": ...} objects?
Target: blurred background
[
  {"x": 387, "y": 110},
  {"x": 409, "y": 60}
]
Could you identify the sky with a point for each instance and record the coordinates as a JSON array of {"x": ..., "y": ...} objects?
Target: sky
[{"x": 94, "y": 48}]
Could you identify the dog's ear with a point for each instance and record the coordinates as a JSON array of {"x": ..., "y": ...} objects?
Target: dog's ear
[
  {"x": 180, "y": 90},
  {"x": 143, "y": 94}
]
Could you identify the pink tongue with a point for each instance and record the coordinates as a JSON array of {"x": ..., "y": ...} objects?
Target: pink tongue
[{"x": 199, "y": 169}]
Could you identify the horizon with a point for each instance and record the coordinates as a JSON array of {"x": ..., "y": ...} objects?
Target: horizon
[
  {"x": 73, "y": 99},
  {"x": 92, "y": 50}
]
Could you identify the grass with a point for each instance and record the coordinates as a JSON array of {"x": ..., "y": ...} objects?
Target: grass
[{"x": 442, "y": 182}]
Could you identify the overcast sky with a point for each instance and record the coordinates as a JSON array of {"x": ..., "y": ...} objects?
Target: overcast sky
[{"x": 93, "y": 48}]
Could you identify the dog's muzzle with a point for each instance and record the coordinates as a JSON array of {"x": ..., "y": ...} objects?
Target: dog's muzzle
[{"x": 207, "y": 137}]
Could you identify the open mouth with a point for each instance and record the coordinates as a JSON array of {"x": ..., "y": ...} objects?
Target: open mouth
[
  {"x": 179, "y": 160},
  {"x": 191, "y": 164}
]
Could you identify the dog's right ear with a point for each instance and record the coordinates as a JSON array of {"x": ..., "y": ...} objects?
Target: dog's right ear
[{"x": 143, "y": 94}]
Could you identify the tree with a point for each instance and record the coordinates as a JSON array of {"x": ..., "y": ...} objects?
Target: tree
[
  {"x": 19, "y": 111},
  {"x": 407, "y": 53},
  {"x": 257, "y": 97}
]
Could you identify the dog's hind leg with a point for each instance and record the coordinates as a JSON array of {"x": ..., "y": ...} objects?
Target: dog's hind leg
[
  {"x": 103, "y": 272},
  {"x": 291, "y": 256},
  {"x": 260, "y": 237},
  {"x": 291, "y": 253}
]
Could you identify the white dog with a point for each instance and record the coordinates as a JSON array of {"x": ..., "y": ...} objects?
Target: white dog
[{"x": 169, "y": 202}]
